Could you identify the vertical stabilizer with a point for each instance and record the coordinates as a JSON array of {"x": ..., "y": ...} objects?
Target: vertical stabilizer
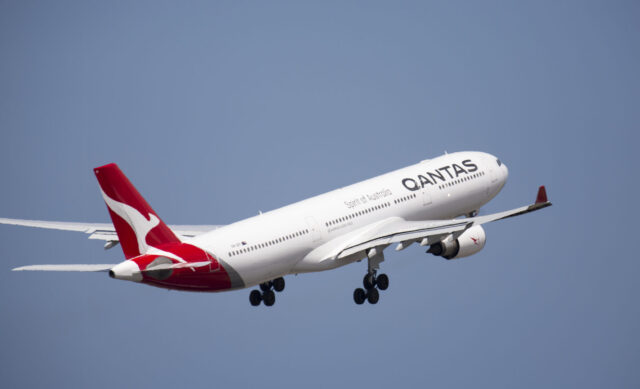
[{"x": 136, "y": 224}]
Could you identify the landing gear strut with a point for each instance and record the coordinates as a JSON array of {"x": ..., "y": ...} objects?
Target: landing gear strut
[
  {"x": 267, "y": 295},
  {"x": 372, "y": 282}
]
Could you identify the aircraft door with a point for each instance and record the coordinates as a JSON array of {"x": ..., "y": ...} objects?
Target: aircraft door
[
  {"x": 426, "y": 197},
  {"x": 314, "y": 229}
]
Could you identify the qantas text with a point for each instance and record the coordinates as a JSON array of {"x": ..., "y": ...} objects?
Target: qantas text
[{"x": 442, "y": 174}]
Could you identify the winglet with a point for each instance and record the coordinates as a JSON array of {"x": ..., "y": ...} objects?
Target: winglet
[{"x": 542, "y": 195}]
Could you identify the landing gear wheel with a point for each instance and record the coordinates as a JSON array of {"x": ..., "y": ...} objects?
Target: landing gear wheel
[
  {"x": 278, "y": 284},
  {"x": 369, "y": 281},
  {"x": 265, "y": 286},
  {"x": 359, "y": 295},
  {"x": 372, "y": 296},
  {"x": 382, "y": 281},
  {"x": 269, "y": 298},
  {"x": 255, "y": 297}
]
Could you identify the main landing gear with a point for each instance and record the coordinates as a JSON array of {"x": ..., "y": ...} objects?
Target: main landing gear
[
  {"x": 267, "y": 295},
  {"x": 372, "y": 282}
]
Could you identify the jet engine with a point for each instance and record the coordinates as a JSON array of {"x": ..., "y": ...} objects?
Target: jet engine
[{"x": 468, "y": 243}]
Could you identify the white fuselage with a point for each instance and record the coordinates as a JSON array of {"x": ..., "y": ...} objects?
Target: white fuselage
[{"x": 279, "y": 242}]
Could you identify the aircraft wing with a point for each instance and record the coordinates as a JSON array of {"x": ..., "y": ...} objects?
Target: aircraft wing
[
  {"x": 103, "y": 231},
  {"x": 398, "y": 230}
]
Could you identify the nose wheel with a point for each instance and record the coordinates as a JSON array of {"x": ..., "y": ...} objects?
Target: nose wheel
[
  {"x": 266, "y": 293},
  {"x": 372, "y": 282}
]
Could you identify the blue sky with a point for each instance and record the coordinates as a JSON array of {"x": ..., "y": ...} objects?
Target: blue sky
[{"x": 216, "y": 110}]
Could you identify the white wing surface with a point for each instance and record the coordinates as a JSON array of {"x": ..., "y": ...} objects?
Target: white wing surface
[{"x": 398, "y": 230}]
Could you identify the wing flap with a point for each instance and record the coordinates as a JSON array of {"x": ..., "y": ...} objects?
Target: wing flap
[{"x": 403, "y": 231}]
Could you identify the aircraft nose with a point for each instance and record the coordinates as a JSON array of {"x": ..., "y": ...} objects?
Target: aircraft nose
[{"x": 503, "y": 171}]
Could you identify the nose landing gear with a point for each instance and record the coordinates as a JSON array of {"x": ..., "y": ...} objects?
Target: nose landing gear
[
  {"x": 372, "y": 282},
  {"x": 267, "y": 295}
]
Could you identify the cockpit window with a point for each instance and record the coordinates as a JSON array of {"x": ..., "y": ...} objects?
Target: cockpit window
[{"x": 499, "y": 163}]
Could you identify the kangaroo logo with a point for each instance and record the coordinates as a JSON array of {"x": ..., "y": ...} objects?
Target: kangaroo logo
[
  {"x": 138, "y": 222},
  {"x": 140, "y": 226}
]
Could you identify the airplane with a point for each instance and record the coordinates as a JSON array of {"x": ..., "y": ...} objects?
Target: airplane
[{"x": 433, "y": 203}]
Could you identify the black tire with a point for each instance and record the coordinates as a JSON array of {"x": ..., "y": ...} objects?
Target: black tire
[
  {"x": 278, "y": 284},
  {"x": 255, "y": 297},
  {"x": 265, "y": 286},
  {"x": 359, "y": 295},
  {"x": 382, "y": 281},
  {"x": 373, "y": 296},
  {"x": 368, "y": 281},
  {"x": 269, "y": 298}
]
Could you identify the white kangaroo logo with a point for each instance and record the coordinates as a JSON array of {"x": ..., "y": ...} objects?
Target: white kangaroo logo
[{"x": 140, "y": 225}]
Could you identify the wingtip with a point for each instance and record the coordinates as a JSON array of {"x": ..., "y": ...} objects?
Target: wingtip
[{"x": 542, "y": 195}]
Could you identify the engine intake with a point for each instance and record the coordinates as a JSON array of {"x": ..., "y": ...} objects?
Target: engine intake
[{"x": 468, "y": 243}]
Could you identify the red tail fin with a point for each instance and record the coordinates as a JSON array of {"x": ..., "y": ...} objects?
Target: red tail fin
[{"x": 137, "y": 225}]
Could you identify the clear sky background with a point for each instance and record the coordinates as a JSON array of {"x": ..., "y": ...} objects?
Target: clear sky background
[{"x": 216, "y": 110}]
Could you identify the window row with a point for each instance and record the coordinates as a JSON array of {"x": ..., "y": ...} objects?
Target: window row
[
  {"x": 461, "y": 180},
  {"x": 266, "y": 244},
  {"x": 405, "y": 198},
  {"x": 356, "y": 214}
]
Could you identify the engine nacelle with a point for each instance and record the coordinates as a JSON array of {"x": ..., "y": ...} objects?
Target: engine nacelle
[{"x": 470, "y": 242}]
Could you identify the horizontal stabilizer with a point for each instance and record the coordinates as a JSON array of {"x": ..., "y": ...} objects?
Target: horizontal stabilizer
[
  {"x": 84, "y": 268},
  {"x": 103, "y": 231},
  {"x": 89, "y": 228}
]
